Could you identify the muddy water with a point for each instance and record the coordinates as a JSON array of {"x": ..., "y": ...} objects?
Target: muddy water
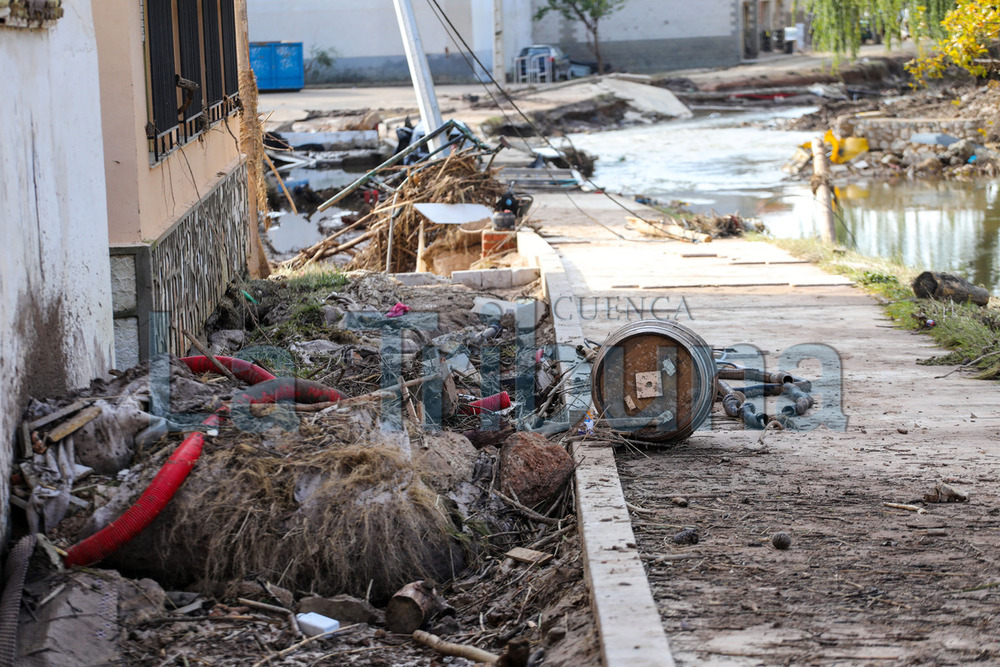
[
  {"x": 732, "y": 162},
  {"x": 288, "y": 233}
]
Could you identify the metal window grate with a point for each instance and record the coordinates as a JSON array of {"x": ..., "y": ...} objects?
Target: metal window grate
[
  {"x": 190, "y": 84},
  {"x": 200, "y": 36},
  {"x": 213, "y": 60},
  {"x": 232, "y": 84},
  {"x": 162, "y": 76}
]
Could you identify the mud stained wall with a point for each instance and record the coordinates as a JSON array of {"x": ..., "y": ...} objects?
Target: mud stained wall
[
  {"x": 362, "y": 40},
  {"x": 55, "y": 296},
  {"x": 652, "y": 35}
]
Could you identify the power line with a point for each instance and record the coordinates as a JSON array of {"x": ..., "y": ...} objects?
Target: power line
[{"x": 464, "y": 49}]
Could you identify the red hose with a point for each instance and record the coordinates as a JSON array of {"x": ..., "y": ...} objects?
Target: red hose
[
  {"x": 242, "y": 369},
  {"x": 267, "y": 389},
  {"x": 112, "y": 537},
  {"x": 288, "y": 389}
]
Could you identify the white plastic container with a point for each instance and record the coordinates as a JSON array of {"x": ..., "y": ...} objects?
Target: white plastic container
[{"x": 313, "y": 624}]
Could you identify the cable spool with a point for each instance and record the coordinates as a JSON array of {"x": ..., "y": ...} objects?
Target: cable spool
[{"x": 654, "y": 380}]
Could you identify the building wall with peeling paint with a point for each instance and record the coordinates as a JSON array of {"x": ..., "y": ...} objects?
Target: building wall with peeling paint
[{"x": 55, "y": 295}]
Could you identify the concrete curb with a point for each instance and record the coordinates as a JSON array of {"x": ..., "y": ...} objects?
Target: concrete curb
[{"x": 628, "y": 621}]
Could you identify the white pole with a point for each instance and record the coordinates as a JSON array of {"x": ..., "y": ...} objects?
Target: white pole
[
  {"x": 420, "y": 73},
  {"x": 499, "y": 64}
]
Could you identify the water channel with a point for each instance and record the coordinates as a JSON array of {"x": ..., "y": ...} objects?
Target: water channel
[{"x": 732, "y": 162}]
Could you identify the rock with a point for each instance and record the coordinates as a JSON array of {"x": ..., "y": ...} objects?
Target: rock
[
  {"x": 931, "y": 164},
  {"x": 533, "y": 469},
  {"x": 446, "y": 459},
  {"x": 139, "y": 601},
  {"x": 891, "y": 160},
  {"x": 343, "y": 608},
  {"x": 283, "y": 596},
  {"x": 962, "y": 150},
  {"x": 332, "y": 315},
  {"x": 105, "y": 444},
  {"x": 945, "y": 493},
  {"x": 781, "y": 540},
  {"x": 226, "y": 340},
  {"x": 687, "y": 536}
]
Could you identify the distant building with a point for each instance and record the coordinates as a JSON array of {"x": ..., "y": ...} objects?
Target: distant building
[
  {"x": 351, "y": 42},
  {"x": 659, "y": 35}
]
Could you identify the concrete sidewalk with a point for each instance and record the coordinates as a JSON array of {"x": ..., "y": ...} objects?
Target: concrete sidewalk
[{"x": 904, "y": 427}]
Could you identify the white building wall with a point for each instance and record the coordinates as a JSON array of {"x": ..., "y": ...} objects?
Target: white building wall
[
  {"x": 363, "y": 38},
  {"x": 55, "y": 300},
  {"x": 646, "y": 19},
  {"x": 652, "y": 35}
]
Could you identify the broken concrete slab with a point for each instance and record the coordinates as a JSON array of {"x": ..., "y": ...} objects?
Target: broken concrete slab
[
  {"x": 80, "y": 624},
  {"x": 331, "y": 141},
  {"x": 497, "y": 308}
]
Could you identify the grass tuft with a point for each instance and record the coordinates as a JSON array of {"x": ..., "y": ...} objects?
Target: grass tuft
[{"x": 971, "y": 333}]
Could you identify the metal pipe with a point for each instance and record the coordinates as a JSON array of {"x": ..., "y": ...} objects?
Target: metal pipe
[
  {"x": 801, "y": 401},
  {"x": 412, "y": 148},
  {"x": 755, "y": 375},
  {"x": 731, "y": 401},
  {"x": 752, "y": 420}
]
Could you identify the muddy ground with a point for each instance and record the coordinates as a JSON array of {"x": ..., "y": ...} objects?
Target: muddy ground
[{"x": 861, "y": 583}]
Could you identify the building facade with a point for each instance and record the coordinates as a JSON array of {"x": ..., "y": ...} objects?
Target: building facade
[
  {"x": 123, "y": 191},
  {"x": 178, "y": 219},
  {"x": 55, "y": 294},
  {"x": 348, "y": 42}
]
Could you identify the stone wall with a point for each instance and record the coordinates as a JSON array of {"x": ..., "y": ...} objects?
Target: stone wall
[
  {"x": 893, "y": 134},
  {"x": 184, "y": 273}
]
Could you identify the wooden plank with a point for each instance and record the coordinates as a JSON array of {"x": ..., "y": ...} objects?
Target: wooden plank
[
  {"x": 529, "y": 556},
  {"x": 59, "y": 414},
  {"x": 77, "y": 422}
]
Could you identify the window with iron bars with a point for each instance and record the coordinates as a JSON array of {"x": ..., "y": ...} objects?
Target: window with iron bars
[{"x": 193, "y": 82}]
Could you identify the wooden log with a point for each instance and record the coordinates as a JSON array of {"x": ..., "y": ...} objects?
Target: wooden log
[
  {"x": 822, "y": 191},
  {"x": 459, "y": 650},
  {"x": 941, "y": 286},
  {"x": 412, "y": 606}
]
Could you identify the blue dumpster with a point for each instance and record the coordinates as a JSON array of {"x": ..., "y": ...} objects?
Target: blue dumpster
[{"x": 277, "y": 65}]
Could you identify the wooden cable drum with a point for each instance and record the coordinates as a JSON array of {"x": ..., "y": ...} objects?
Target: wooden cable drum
[{"x": 654, "y": 380}]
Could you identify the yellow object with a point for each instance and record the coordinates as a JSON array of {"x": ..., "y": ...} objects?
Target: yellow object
[
  {"x": 842, "y": 150},
  {"x": 845, "y": 150}
]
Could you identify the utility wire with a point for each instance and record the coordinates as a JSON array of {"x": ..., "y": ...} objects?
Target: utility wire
[{"x": 464, "y": 48}]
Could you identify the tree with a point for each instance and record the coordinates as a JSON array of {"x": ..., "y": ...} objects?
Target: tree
[
  {"x": 962, "y": 30},
  {"x": 836, "y": 24},
  {"x": 970, "y": 28},
  {"x": 590, "y": 13}
]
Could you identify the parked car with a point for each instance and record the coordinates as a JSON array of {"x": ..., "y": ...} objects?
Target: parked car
[{"x": 540, "y": 57}]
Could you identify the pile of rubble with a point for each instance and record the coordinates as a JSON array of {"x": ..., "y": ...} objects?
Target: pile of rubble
[{"x": 342, "y": 490}]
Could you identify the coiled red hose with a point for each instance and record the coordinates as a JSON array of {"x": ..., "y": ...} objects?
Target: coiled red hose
[
  {"x": 242, "y": 369},
  {"x": 266, "y": 389}
]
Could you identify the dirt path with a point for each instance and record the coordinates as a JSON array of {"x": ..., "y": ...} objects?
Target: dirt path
[{"x": 861, "y": 583}]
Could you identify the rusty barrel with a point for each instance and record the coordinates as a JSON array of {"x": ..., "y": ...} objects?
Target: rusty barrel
[{"x": 654, "y": 380}]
